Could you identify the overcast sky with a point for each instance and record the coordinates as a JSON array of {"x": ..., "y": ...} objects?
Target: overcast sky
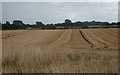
[{"x": 57, "y": 12}]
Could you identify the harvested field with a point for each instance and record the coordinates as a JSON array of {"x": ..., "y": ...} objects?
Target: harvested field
[{"x": 60, "y": 51}]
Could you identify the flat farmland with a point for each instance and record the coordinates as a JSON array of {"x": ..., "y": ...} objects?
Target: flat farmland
[{"x": 60, "y": 51}]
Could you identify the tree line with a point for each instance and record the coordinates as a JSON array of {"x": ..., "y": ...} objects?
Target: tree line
[{"x": 18, "y": 24}]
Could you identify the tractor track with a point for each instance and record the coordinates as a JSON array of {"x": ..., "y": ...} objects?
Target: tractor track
[
  {"x": 85, "y": 38},
  {"x": 99, "y": 43}
]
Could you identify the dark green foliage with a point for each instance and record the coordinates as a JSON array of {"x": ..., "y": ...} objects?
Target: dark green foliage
[
  {"x": 0, "y": 26},
  {"x": 118, "y": 23},
  {"x": 84, "y": 26},
  {"x": 18, "y": 24},
  {"x": 39, "y": 24}
]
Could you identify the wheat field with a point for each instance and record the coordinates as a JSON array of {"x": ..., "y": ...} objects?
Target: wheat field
[{"x": 60, "y": 51}]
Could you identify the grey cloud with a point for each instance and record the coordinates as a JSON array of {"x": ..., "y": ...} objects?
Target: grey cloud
[{"x": 53, "y": 12}]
